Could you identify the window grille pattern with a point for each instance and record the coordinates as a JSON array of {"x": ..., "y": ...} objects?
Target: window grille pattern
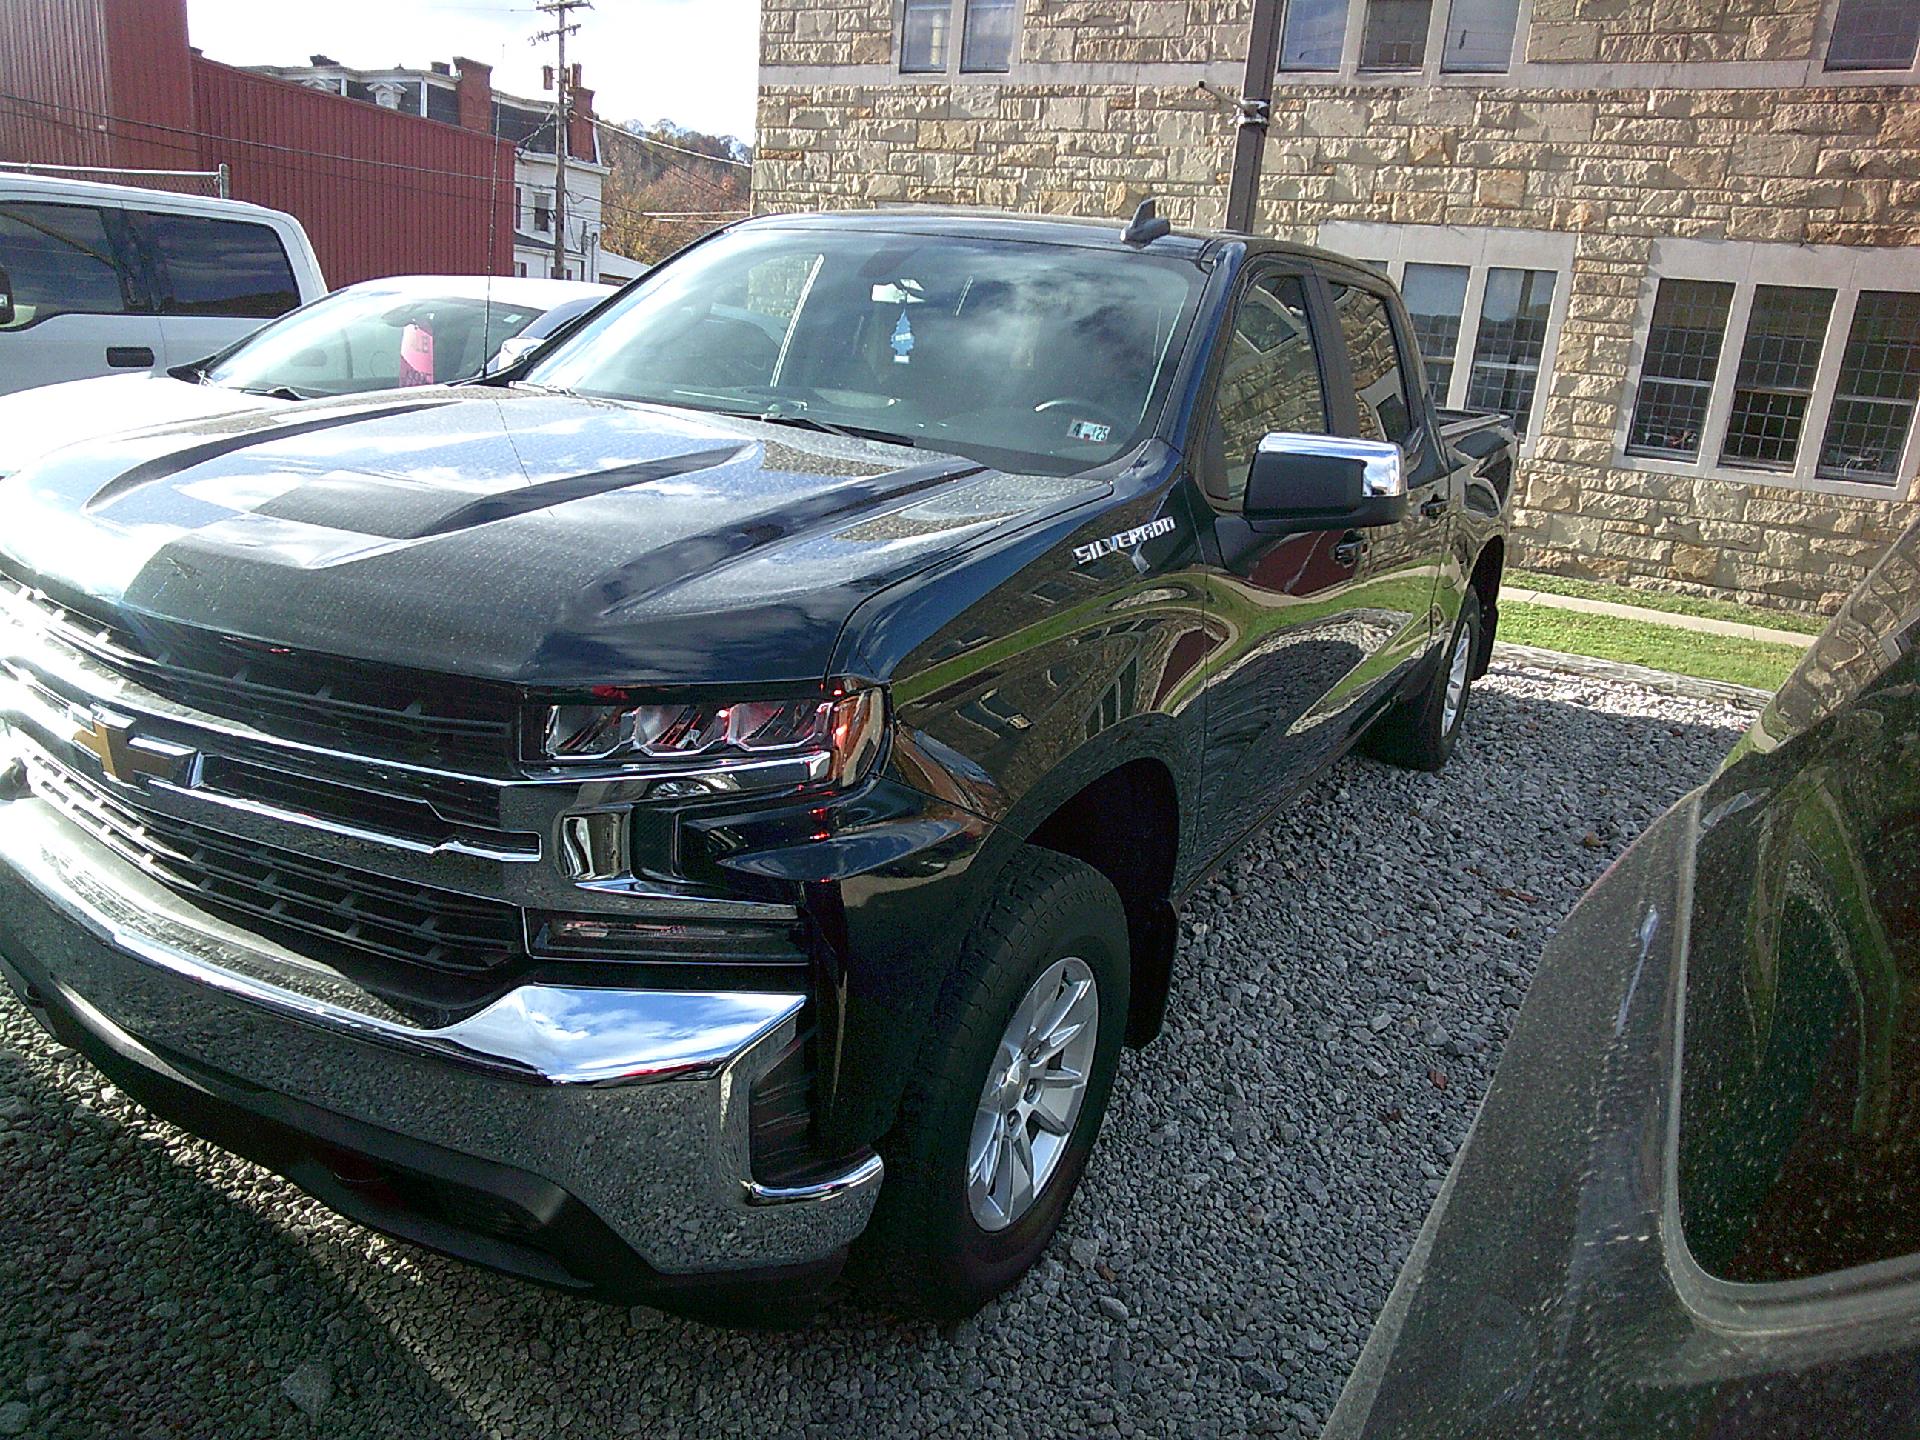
[
  {"x": 1511, "y": 341},
  {"x": 1395, "y": 37},
  {"x": 1874, "y": 35},
  {"x": 1682, "y": 359},
  {"x": 1774, "y": 383},
  {"x": 1879, "y": 383}
]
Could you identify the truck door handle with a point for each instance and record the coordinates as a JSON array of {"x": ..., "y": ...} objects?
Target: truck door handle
[
  {"x": 1351, "y": 547},
  {"x": 130, "y": 357},
  {"x": 1434, "y": 506}
]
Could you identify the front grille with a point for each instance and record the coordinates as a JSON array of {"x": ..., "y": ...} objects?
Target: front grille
[
  {"x": 295, "y": 896},
  {"x": 359, "y": 706}
]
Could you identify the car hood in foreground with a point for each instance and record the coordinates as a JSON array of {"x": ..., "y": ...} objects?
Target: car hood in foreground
[
  {"x": 36, "y": 422},
  {"x": 513, "y": 535},
  {"x": 1690, "y": 1205}
]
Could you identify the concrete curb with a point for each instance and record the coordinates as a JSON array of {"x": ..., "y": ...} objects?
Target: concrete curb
[{"x": 1527, "y": 657}]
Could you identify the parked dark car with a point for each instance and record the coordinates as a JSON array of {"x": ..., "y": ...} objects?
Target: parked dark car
[
  {"x": 601, "y": 820},
  {"x": 1691, "y": 1202}
]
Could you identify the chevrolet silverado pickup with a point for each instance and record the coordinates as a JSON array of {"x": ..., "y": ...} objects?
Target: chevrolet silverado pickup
[{"x": 711, "y": 800}]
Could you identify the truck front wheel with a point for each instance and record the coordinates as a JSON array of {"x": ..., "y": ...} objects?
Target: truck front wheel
[{"x": 996, "y": 1128}]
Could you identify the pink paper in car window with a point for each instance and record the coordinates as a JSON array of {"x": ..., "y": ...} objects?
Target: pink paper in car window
[{"x": 416, "y": 356}]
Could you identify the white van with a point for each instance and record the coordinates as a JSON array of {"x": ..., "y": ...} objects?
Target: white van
[{"x": 96, "y": 279}]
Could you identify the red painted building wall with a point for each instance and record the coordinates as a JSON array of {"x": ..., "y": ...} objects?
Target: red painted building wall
[{"x": 114, "y": 82}]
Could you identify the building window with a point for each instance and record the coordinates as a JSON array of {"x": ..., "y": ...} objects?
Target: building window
[
  {"x": 1828, "y": 346},
  {"x": 543, "y": 212},
  {"x": 1515, "y": 310},
  {"x": 925, "y": 36},
  {"x": 987, "y": 44},
  {"x": 1774, "y": 385},
  {"x": 1486, "y": 307},
  {"x": 1395, "y": 34},
  {"x": 1873, "y": 403},
  {"x": 1683, "y": 356},
  {"x": 1436, "y": 297},
  {"x": 1460, "y": 37},
  {"x": 1874, "y": 35},
  {"x": 1479, "y": 36},
  {"x": 1313, "y": 34}
]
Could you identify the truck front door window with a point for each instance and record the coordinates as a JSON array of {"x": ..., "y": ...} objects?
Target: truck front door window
[{"x": 1270, "y": 382}]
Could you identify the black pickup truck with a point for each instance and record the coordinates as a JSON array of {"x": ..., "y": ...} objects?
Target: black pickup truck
[{"x": 715, "y": 796}]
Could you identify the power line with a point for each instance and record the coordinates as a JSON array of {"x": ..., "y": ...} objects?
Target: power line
[{"x": 663, "y": 145}]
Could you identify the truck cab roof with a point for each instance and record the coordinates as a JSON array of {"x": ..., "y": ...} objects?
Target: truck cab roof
[{"x": 1081, "y": 231}]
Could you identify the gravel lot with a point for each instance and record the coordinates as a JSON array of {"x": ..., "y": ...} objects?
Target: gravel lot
[{"x": 1344, "y": 992}]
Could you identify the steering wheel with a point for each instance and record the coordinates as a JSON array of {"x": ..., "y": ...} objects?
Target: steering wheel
[{"x": 1082, "y": 409}]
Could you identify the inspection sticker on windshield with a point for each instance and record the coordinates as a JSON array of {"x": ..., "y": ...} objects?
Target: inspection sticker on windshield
[
  {"x": 1125, "y": 540},
  {"x": 1090, "y": 432}
]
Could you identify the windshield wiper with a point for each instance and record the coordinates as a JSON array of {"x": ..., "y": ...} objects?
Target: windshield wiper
[
  {"x": 830, "y": 427},
  {"x": 273, "y": 392}
]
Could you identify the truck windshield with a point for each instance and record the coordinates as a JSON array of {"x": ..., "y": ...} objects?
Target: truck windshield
[{"x": 1041, "y": 357}]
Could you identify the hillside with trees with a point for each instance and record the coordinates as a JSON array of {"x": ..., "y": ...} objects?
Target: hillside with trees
[{"x": 669, "y": 186}]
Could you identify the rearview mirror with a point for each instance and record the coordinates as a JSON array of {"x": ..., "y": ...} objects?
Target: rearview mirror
[
  {"x": 6, "y": 297},
  {"x": 1325, "y": 482}
]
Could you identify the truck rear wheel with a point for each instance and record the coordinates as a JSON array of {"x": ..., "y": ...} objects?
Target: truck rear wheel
[
  {"x": 1420, "y": 733},
  {"x": 995, "y": 1131}
]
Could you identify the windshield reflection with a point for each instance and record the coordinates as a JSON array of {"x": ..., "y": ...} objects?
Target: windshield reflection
[{"x": 1041, "y": 356}]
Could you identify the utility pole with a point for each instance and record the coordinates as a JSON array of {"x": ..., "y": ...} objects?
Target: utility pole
[
  {"x": 1256, "y": 112},
  {"x": 563, "y": 26}
]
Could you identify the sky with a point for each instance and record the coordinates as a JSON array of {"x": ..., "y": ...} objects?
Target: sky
[{"x": 689, "y": 61}]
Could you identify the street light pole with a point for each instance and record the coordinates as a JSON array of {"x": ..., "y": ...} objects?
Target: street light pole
[{"x": 1256, "y": 111}]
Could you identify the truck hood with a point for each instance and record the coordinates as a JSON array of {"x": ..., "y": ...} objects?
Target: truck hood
[
  {"x": 513, "y": 535},
  {"x": 37, "y": 421}
]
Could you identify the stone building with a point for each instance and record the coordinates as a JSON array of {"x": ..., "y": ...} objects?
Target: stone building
[{"x": 1674, "y": 239}]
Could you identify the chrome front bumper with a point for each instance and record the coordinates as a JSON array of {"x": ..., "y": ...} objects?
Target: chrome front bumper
[{"x": 632, "y": 1102}]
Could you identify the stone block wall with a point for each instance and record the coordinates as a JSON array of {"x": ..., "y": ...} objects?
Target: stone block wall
[{"x": 1105, "y": 106}]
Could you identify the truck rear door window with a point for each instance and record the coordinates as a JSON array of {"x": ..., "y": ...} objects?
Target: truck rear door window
[
  {"x": 1378, "y": 378},
  {"x": 61, "y": 261},
  {"x": 220, "y": 267}
]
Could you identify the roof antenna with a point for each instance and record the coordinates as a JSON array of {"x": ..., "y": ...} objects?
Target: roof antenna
[{"x": 1146, "y": 225}]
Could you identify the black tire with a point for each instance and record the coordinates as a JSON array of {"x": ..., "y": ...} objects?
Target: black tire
[
  {"x": 925, "y": 1252},
  {"x": 1415, "y": 734}
]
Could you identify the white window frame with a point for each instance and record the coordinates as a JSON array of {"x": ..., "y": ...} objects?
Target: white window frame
[
  {"x": 957, "y": 44},
  {"x": 1844, "y": 269},
  {"x": 1477, "y": 251},
  {"x": 1429, "y": 71}
]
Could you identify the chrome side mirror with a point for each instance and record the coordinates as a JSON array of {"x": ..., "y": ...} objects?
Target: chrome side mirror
[
  {"x": 1325, "y": 482},
  {"x": 512, "y": 351}
]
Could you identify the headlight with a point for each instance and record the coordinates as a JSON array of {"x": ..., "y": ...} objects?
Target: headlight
[{"x": 834, "y": 739}]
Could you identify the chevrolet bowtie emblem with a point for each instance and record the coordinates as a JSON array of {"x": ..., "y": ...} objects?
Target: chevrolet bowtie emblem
[{"x": 134, "y": 759}]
